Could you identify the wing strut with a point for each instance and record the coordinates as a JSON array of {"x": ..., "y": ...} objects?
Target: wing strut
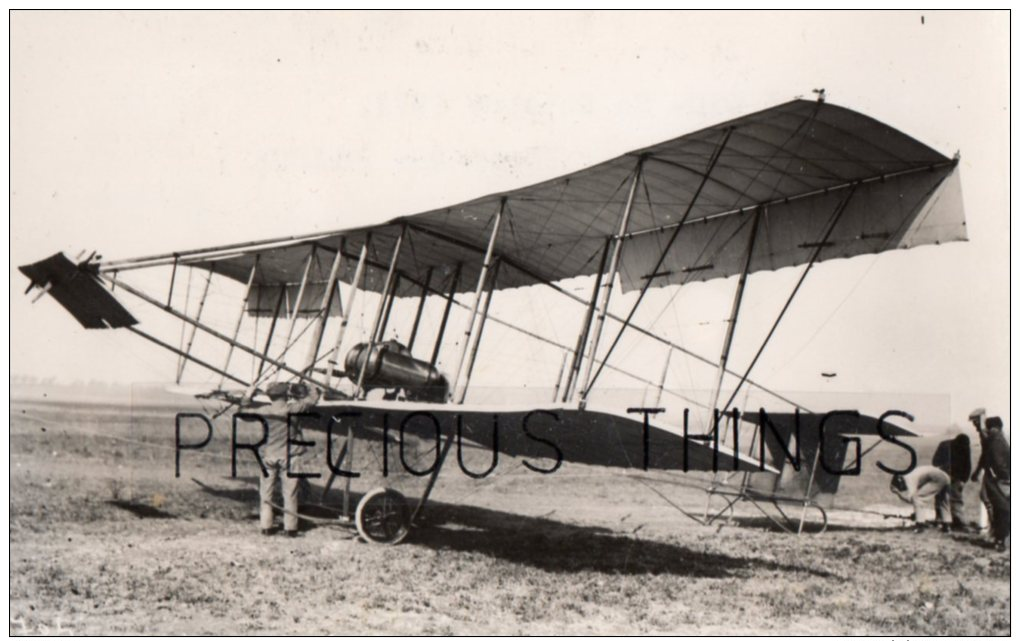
[
  {"x": 421, "y": 308},
  {"x": 454, "y": 282},
  {"x": 194, "y": 330},
  {"x": 296, "y": 309},
  {"x": 607, "y": 286},
  {"x": 391, "y": 296},
  {"x": 433, "y": 477},
  {"x": 240, "y": 315},
  {"x": 577, "y": 299},
  {"x": 186, "y": 356},
  {"x": 477, "y": 337},
  {"x": 840, "y": 208},
  {"x": 272, "y": 331},
  {"x": 662, "y": 380},
  {"x": 356, "y": 282},
  {"x": 214, "y": 333},
  {"x": 325, "y": 304},
  {"x": 731, "y": 325},
  {"x": 559, "y": 377},
  {"x": 705, "y": 177},
  {"x": 482, "y": 276},
  {"x": 582, "y": 336},
  {"x": 173, "y": 278},
  {"x": 390, "y": 276}
]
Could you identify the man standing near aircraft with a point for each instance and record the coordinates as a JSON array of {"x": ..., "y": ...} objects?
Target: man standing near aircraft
[
  {"x": 288, "y": 400},
  {"x": 977, "y": 419},
  {"x": 953, "y": 457},
  {"x": 994, "y": 464}
]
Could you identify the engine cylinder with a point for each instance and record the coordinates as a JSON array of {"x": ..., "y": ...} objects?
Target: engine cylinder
[{"x": 390, "y": 365}]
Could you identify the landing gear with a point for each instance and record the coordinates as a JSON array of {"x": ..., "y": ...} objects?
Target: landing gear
[{"x": 383, "y": 517}]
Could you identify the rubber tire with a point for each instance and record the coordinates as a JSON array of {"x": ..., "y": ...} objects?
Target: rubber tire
[{"x": 396, "y": 523}]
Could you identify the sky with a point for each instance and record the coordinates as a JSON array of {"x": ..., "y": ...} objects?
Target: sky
[{"x": 135, "y": 133}]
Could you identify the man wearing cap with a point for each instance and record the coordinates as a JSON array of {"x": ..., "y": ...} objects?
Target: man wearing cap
[
  {"x": 994, "y": 465},
  {"x": 287, "y": 400},
  {"x": 977, "y": 419}
]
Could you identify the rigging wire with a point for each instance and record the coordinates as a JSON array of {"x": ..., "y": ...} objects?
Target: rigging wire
[
  {"x": 715, "y": 156},
  {"x": 831, "y": 225}
]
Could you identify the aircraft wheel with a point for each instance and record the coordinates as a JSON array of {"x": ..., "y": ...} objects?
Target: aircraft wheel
[{"x": 383, "y": 517}]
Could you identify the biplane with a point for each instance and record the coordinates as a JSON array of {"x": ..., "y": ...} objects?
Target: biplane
[{"x": 793, "y": 185}]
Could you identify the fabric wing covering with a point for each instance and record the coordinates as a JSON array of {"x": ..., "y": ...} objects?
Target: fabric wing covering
[{"x": 812, "y": 171}]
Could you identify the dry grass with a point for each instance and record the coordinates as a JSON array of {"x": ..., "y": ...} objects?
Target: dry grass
[{"x": 105, "y": 540}]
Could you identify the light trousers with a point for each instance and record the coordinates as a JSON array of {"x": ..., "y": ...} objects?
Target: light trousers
[{"x": 277, "y": 470}]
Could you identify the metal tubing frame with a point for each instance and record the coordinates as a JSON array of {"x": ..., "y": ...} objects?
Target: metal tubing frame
[
  {"x": 359, "y": 391},
  {"x": 296, "y": 311},
  {"x": 198, "y": 316},
  {"x": 662, "y": 380},
  {"x": 345, "y": 316},
  {"x": 212, "y": 332},
  {"x": 446, "y": 315},
  {"x": 837, "y": 215},
  {"x": 184, "y": 326},
  {"x": 390, "y": 297},
  {"x": 181, "y": 353},
  {"x": 577, "y": 299},
  {"x": 340, "y": 460},
  {"x": 432, "y": 480},
  {"x": 421, "y": 308},
  {"x": 607, "y": 286},
  {"x": 271, "y": 333},
  {"x": 738, "y": 297},
  {"x": 327, "y": 301},
  {"x": 755, "y": 434},
  {"x": 548, "y": 341},
  {"x": 636, "y": 328},
  {"x": 482, "y": 275},
  {"x": 582, "y": 335},
  {"x": 476, "y": 338},
  {"x": 255, "y": 326},
  {"x": 349, "y": 445},
  {"x": 173, "y": 278},
  {"x": 451, "y": 302},
  {"x": 559, "y": 377},
  {"x": 705, "y": 177},
  {"x": 807, "y": 491},
  {"x": 240, "y": 315},
  {"x": 210, "y": 253}
]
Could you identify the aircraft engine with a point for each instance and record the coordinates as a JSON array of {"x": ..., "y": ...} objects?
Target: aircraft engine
[{"x": 390, "y": 365}]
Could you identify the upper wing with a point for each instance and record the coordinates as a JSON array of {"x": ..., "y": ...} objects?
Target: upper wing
[{"x": 796, "y": 162}]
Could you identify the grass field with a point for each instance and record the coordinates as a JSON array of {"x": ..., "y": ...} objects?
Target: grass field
[{"x": 104, "y": 540}]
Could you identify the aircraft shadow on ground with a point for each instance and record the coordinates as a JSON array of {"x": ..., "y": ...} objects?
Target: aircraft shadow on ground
[
  {"x": 141, "y": 510},
  {"x": 790, "y": 528},
  {"x": 545, "y": 543},
  {"x": 555, "y": 546}
]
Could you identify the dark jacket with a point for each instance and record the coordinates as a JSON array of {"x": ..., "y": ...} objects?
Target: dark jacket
[
  {"x": 952, "y": 456},
  {"x": 994, "y": 459}
]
